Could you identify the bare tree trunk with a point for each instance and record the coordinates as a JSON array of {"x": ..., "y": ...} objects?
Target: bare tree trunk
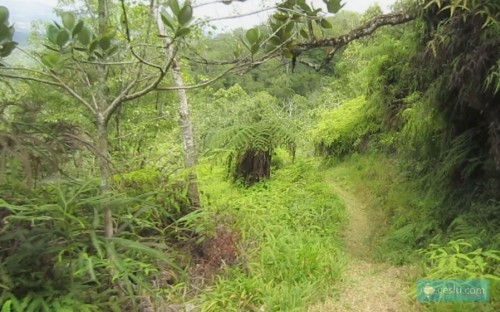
[
  {"x": 102, "y": 153},
  {"x": 102, "y": 148},
  {"x": 187, "y": 136},
  {"x": 184, "y": 116},
  {"x": 102, "y": 9}
]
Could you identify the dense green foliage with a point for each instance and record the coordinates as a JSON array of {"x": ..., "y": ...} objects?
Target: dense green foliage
[
  {"x": 342, "y": 130},
  {"x": 289, "y": 230},
  {"x": 408, "y": 118},
  {"x": 437, "y": 124},
  {"x": 248, "y": 141}
]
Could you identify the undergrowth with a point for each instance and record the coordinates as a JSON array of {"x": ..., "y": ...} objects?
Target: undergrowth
[
  {"x": 467, "y": 248},
  {"x": 54, "y": 257},
  {"x": 290, "y": 254}
]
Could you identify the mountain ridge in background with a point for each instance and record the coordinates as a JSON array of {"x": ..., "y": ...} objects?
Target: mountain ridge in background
[{"x": 23, "y": 13}]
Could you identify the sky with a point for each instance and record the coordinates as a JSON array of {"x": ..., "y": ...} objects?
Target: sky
[
  {"x": 221, "y": 10},
  {"x": 23, "y": 11}
]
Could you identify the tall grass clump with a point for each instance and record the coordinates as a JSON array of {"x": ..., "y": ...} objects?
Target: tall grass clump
[
  {"x": 290, "y": 253},
  {"x": 55, "y": 257}
]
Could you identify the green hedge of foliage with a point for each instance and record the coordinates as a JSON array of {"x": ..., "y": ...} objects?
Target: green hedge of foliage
[{"x": 344, "y": 129}]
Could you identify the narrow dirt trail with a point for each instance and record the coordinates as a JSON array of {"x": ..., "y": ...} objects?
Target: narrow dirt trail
[{"x": 367, "y": 286}]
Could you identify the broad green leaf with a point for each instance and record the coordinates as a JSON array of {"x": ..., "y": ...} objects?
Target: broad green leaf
[
  {"x": 4, "y": 32},
  {"x": 281, "y": 17},
  {"x": 105, "y": 43},
  {"x": 62, "y": 38},
  {"x": 85, "y": 35},
  {"x": 68, "y": 20},
  {"x": 182, "y": 32},
  {"x": 4, "y": 15},
  {"x": 174, "y": 5},
  {"x": 304, "y": 34},
  {"x": 7, "y": 48},
  {"x": 333, "y": 6},
  {"x": 167, "y": 19},
  {"x": 274, "y": 26},
  {"x": 325, "y": 24},
  {"x": 51, "y": 59},
  {"x": 255, "y": 48},
  {"x": 52, "y": 33},
  {"x": 98, "y": 54},
  {"x": 253, "y": 35},
  {"x": 185, "y": 15},
  {"x": 78, "y": 28},
  {"x": 93, "y": 46},
  {"x": 305, "y": 7},
  {"x": 285, "y": 36}
]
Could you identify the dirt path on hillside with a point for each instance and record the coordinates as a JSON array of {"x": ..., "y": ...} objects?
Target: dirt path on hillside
[{"x": 367, "y": 285}]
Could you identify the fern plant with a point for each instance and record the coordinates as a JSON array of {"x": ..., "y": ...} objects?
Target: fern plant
[{"x": 249, "y": 148}]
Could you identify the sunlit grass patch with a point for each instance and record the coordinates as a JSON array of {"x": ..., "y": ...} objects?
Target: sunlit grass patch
[{"x": 291, "y": 254}]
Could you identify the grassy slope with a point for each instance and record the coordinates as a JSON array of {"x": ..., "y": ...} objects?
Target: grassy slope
[
  {"x": 399, "y": 217},
  {"x": 291, "y": 252},
  {"x": 292, "y": 244},
  {"x": 368, "y": 285}
]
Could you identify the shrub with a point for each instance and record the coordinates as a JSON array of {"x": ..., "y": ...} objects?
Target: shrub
[{"x": 344, "y": 129}]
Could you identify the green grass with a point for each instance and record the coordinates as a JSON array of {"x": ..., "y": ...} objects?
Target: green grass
[
  {"x": 409, "y": 232},
  {"x": 391, "y": 199},
  {"x": 290, "y": 246}
]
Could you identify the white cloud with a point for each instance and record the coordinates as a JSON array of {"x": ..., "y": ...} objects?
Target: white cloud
[
  {"x": 362, "y": 5},
  {"x": 236, "y": 8},
  {"x": 51, "y": 3}
]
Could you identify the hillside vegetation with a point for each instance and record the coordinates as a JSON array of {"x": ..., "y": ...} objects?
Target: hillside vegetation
[{"x": 323, "y": 161}]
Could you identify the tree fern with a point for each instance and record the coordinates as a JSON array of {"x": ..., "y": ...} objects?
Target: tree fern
[{"x": 253, "y": 142}]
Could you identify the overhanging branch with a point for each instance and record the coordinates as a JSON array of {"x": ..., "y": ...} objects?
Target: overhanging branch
[{"x": 363, "y": 31}]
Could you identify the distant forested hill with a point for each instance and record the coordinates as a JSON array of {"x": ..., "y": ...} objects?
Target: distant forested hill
[{"x": 23, "y": 13}]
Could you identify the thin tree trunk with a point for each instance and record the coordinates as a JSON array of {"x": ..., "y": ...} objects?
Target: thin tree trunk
[
  {"x": 187, "y": 136},
  {"x": 118, "y": 127},
  {"x": 102, "y": 152},
  {"x": 102, "y": 9},
  {"x": 184, "y": 115},
  {"x": 102, "y": 127}
]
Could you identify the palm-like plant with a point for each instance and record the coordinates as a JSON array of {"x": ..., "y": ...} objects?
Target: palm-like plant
[{"x": 250, "y": 147}]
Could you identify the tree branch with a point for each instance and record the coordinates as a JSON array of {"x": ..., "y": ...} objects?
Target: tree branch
[
  {"x": 363, "y": 31},
  {"x": 31, "y": 79},
  {"x": 152, "y": 86},
  {"x": 73, "y": 93},
  {"x": 59, "y": 84}
]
